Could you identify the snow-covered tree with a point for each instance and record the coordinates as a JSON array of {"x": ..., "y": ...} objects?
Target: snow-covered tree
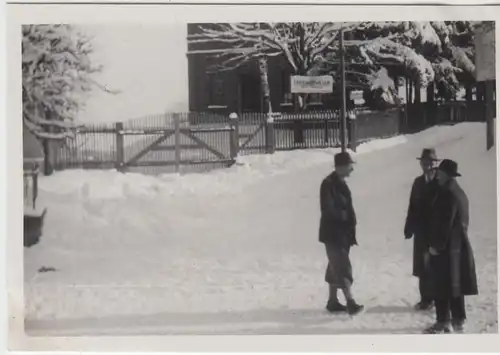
[
  {"x": 299, "y": 42},
  {"x": 425, "y": 53},
  {"x": 57, "y": 75},
  {"x": 442, "y": 51},
  {"x": 303, "y": 45},
  {"x": 454, "y": 64},
  {"x": 312, "y": 48}
]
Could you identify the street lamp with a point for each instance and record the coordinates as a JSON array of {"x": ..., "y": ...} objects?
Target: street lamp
[{"x": 343, "y": 123}]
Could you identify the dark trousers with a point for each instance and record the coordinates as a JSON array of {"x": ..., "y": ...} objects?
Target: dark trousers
[
  {"x": 339, "y": 270},
  {"x": 423, "y": 287},
  {"x": 450, "y": 306}
]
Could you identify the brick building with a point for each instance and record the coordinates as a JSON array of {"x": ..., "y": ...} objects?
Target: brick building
[{"x": 239, "y": 90}]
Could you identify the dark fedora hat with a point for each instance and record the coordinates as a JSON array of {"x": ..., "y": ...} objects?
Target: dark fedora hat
[
  {"x": 342, "y": 159},
  {"x": 449, "y": 167},
  {"x": 428, "y": 154}
]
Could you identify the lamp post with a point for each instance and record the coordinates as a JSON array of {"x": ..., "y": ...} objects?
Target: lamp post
[{"x": 343, "y": 123}]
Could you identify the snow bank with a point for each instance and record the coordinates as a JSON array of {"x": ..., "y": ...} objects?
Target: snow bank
[
  {"x": 110, "y": 184},
  {"x": 129, "y": 260}
]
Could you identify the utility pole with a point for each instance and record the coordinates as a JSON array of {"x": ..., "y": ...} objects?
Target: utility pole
[
  {"x": 343, "y": 123},
  {"x": 490, "y": 124}
]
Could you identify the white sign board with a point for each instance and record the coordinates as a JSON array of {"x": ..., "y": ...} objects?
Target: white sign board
[
  {"x": 485, "y": 53},
  {"x": 311, "y": 84},
  {"x": 356, "y": 95}
]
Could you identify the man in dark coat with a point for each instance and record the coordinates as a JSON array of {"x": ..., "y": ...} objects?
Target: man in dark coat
[
  {"x": 338, "y": 232},
  {"x": 451, "y": 256},
  {"x": 417, "y": 222}
]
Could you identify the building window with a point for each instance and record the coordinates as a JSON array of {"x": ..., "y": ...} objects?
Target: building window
[{"x": 216, "y": 95}]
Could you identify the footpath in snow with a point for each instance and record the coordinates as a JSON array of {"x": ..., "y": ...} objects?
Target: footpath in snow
[{"x": 235, "y": 251}]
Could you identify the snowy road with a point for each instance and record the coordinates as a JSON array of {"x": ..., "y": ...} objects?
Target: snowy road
[{"x": 236, "y": 251}]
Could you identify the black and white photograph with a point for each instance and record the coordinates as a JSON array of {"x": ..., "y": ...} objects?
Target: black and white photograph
[{"x": 259, "y": 178}]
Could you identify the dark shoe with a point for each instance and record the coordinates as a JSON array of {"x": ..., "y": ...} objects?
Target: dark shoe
[
  {"x": 438, "y": 328},
  {"x": 458, "y": 326},
  {"x": 335, "y": 307},
  {"x": 353, "y": 308},
  {"x": 424, "y": 306}
]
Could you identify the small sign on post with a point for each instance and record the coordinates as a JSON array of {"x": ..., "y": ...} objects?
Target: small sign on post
[
  {"x": 357, "y": 97},
  {"x": 311, "y": 84}
]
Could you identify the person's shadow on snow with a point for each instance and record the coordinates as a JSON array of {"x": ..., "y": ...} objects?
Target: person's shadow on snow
[{"x": 391, "y": 309}]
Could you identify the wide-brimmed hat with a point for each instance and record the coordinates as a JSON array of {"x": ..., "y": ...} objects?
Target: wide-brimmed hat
[
  {"x": 428, "y": 154},
  {"x": 449, "y": 167},
  {"x": 342, "y": 159}
]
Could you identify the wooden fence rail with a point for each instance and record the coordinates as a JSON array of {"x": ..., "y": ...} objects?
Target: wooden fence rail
[{"x": 191, "y": 142}]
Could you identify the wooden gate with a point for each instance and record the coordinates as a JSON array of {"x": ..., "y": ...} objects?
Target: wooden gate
[
  {"x": 177, "y": 146},
  {"x": 252, "y": 134}
]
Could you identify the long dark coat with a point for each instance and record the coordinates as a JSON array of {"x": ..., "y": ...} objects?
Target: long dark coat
[
  {"x": 338, "y": 219},
  {"x": 418, "y": 219},
  {"x": 453, "y": 270}
]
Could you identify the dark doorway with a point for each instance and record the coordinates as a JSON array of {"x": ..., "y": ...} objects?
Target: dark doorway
[{"x": 250, "y": 98}]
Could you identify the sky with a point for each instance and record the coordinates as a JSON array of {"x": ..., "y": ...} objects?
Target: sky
[{"x": 146, "y": 63}]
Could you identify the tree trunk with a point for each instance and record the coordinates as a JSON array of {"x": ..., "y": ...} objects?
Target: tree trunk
[
  {"x": 480, "y": 91},
  {"x": 468, "y": 93},
  {"x": 431, "y": 110},
  {"x": 299, "y": 99},
  {"x": 264, "y": 80},
  {"x": 298, "y": 127},
  {"x": 430, "y": 93},
  {"x": 418, "y": 92}
]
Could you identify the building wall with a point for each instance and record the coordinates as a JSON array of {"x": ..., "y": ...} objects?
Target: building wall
[
  {"x": 239, "y": 90},
  {"x": 485, "y": 52},
  {"x": 223, "y": 92}
]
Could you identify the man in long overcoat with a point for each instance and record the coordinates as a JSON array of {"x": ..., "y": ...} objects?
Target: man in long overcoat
[
  {"x": 417, "y": 221},
  {"x": 338, "y": 232},
  {"x": 451, "y": 256}
]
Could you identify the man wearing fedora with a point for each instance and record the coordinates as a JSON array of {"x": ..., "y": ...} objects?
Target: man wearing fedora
[
  {"x": 451, "y": 257},
  {"x": 417, "y": 223},
  {"x": 338, "y": 232}
]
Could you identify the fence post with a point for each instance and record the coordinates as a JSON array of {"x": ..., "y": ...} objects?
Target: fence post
[
  {"x": 270, "y": 144},
  {"x": 50, "y": 152},
  {"x": 177, "y": 125},
  {"x": 120, "y": 156},
  {"x": 402, "y": 128},
  {"x": 47, "y": 156},
  {"x": 35, "y": 185},
  {"x": 234, "y": 138},
  {"x": 353, "y": 134},
  {"x": 326, "y": 129}
]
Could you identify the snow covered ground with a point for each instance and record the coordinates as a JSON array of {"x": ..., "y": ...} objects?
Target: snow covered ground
[{"x": 235, "y": 251}]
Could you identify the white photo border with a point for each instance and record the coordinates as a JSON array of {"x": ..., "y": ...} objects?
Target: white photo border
[{"x": 18, "y": 14}]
